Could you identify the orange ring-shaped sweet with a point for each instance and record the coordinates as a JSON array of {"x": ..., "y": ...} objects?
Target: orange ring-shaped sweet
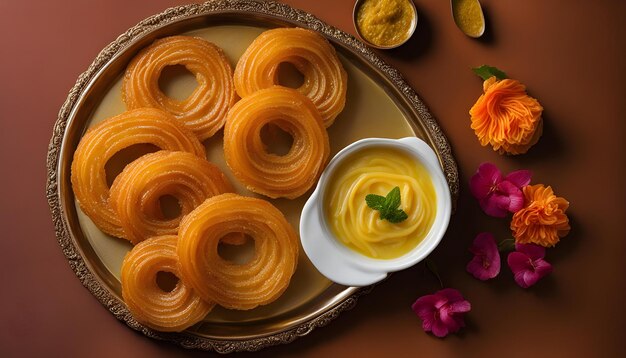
[
  {"x": 171, "y": 311},
  {"x": 135, "y": 193},
  {"x": 204, "y": 111},
  {"x": 100, "y": 143},
  {"x": 290, "y": 175},
  {"x": 237, "y": 286},
  {"x": 325, "y": 80}
]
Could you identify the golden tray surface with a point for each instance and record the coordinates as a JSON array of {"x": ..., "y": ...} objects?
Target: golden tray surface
[{"x": 376, "y": 92}]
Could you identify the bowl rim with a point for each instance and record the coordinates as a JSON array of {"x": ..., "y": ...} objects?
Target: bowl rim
[
  {"x": 355, "y": 10},
  {"x": 440, "y": 223}
]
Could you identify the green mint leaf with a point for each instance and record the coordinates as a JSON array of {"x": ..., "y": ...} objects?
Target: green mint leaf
[
  {"x": 387, "y": 205},
  {"x": 485, "y": 72},
  {"x": 397, "y": 216},
  {"x": 506, "y": 245},
  {"x": 392, "y": 200},
  {"x": 374, "y": 201}
]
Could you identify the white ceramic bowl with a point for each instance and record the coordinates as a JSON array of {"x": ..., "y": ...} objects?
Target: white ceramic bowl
[{"x": 347, "y": 267}]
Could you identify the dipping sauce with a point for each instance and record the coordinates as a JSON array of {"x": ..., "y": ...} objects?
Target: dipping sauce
[
  {"x": 377, "y": 170},
  {"x": 385, "y": 22},
  {"x": 468, "y": 17}
]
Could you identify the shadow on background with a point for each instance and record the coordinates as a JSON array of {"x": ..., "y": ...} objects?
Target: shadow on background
[
  {"x": 569, "y": 244},
  {"x": 488, "y": 38},
  {"x": 549, "y": 147},
  {"x": 419, "y": 43}
]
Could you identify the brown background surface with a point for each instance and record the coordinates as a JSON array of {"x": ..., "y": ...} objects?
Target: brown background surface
[{"x": 571, "y": 57}]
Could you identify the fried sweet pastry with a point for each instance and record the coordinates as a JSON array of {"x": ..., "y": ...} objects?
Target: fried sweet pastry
[
  {"x": 165, "y": 311},
  {"x": 204, "y": 111},
  {"x": 325, "y": 80},
  {"x": 135, "y": 193},
  {"x": 100, "y": 143},
  {"x": 257, "y": 282},
  {"x": 269, "y": 174}
]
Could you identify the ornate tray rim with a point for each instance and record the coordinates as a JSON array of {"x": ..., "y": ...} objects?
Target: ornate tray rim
[{"x": 171, "y": 15}]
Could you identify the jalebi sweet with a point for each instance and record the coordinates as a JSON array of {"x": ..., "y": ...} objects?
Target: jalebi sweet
[
  {"x": 290, "y": 175},
  {"x": 325, "y": 80},
  {"x": 237, "y": 286},
  {"x": 100, "y": 143},
  {"x": 136, "y": 192},
  {"x": 204, "y": 111},
  {"x": 149, "y": 304}
]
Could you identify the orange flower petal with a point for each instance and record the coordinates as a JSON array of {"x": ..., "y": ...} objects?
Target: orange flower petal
[
  {"x": 542, "y": 220},
  {"x": 506, "y": 117}
]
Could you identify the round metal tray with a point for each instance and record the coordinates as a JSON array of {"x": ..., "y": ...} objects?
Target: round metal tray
[{"x": 374, "y": 86}]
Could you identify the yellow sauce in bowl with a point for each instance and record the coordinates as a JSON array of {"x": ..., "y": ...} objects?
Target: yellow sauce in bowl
[
  {"x": 385, "y": 22},
  {"x": 377, "y": 170}
]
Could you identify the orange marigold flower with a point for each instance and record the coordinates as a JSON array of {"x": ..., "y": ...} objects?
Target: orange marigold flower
[
  {"x": 506, "y": 117},
  {"x": 542, "y": 220}
]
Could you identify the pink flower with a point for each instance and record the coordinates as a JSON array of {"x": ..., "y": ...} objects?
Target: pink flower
[
  {"x": 528, "y": 265},
  {"x": 442, "y": 312},
  {"x": 496, "y": 195},
  {"x": 486, "y": 261}
]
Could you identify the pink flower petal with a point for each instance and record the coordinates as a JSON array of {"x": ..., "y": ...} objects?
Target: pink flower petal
[
  {"x": 461, "y": 306},
  {"x": 486, "y": 177},
  {"x": 516, "y": 202},
  {"x": 525, "y": 279},
  {"x": 534, "y": 252},
  {"x": 527, "y": 271},
  {"x": 486, "y": 261},
  {"x": 515, "y": 197},
  {"x": 490, "y": 172},
  {"x": 451, "y": 319},
  {"x": 542, "y": 268},
  {"x": 498, "y": 195},
  {"x": 519, "y": 262},
  {"x": 450, "y": 295},
  {"x": 445, "y": 315},
  {"x": 442, "y": 312},
  {"x": 519, "y": 178},
  {"x": 425, "y": 306},
  {"x": 479, "y": 186},
  {"x": 507, "y": 188},
  {"x": 495, "y": 205},
  {"x": 428, "y": 322},
  {"x": 440, "y": 329},
  {"x": 476, "y": 268},
  {"x": 484, "y": 242}
]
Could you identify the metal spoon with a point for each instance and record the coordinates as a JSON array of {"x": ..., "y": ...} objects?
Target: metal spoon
[{"x": 468, "y": 17}]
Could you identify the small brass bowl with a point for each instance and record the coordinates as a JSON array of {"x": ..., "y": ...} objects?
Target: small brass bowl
[{"x": 355, "y": 11}]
